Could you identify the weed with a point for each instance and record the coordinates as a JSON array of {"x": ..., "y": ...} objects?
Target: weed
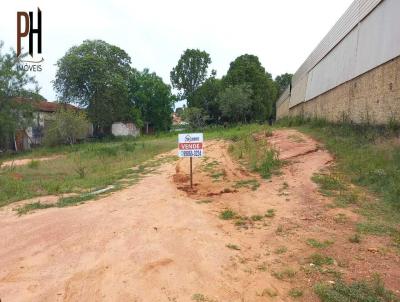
[
  {"x": 262, "y": 267},
  {"x": 355, "y": 238},
  {"x": 328, "y": 182},
  {"x": 233, "y": 247},
  {"x": 360, "y": 291},
  {"x": 34, "y": 164},
  {"x": 227, "y": 215},
  {"x": 281, "y": 250},
  {"x": 32, "y": 206},
  {"x": 256, "y": 217},
  {"x": 318, "y": 244},
  {"x": 296, "y": 293},
  {"x": 320, "y": 260},
  {"x": 286, "y": 273},
  {"x": 204, "y": 201},
  {"x": 253, "y": 184},
  {"x": 201, "y": 298},
  {"x": 270, "y": 213},
  {"x": 81, "y": 171}
]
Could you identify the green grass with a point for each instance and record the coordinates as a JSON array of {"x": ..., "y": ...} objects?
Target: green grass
[
  {"x": 256, "y": 153},
  {"x": 320, "y": 260},
  {"x": 256, "y": 217},
  {"x": 204, "y": 201},
  {"x": 270, "y": 213},
  {"x": 252, "y": 184},
  {"x": 227, "y": 214},
  {"x": 281, "y": 250},
  {"x": 318, "y": 244},
  {"x": 360, "y": 291},
  {"x": 284, "y": 274},
  {"x": 295, "y": 293},
  {"x": 82, "y": 167}
]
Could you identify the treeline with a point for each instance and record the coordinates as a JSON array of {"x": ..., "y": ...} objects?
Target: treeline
[{"x": 247, "y": 93}]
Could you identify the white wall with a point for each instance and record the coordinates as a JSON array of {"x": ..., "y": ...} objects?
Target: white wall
[{"x": 121, "y": 129}]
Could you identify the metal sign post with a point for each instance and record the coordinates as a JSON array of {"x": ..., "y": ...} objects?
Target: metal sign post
[{"x": 190, "y": 145}]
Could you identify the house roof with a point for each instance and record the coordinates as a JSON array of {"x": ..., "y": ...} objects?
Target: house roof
[{"x": 46, "y": 106}]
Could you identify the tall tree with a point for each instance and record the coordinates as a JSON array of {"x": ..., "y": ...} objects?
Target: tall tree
[
  {"x": 153, "y": 98},
  {"x": 283, "y": 81},
  {"x": 95, "y": 75},
  {"x": 14, "y": 115},
  {"x": 235, "y": 103},
  {"x": 247, "y": 69},
  {"x": 190, "y": 72},
  {"x": 206, "y": 98}
]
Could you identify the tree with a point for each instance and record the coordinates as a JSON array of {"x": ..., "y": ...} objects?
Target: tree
[
  {"x": 153, "y": 98},
  {"x": 235, "y": 103},
  {"x": 14, "y": 115},
  {"x": 247, "y": 69},
  {"x": 195, "y": 117},
  {"x": 190, "y": 72},
  {"x": 95, "y": 76},
  {"x": 283, "y": 81},
  {"x": 68, "y": 127},
  {"x": 206, "y": 98}
]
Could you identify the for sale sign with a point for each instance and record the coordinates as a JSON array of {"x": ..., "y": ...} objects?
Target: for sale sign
[{"x": 190, "y": 145}]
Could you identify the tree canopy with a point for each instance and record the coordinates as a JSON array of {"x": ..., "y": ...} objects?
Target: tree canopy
[
  {"x": 247, "y": 69},
  {"x": 235, "y": 103},
  {"x": 153, "y": 98},
  {"x": 14, "y": 82},
  {"x": 190, "y": 72},
  {"x": 205, "y": 97},
  {"x": 95, "y": 75},
  {"x": 283, "y": 81}
]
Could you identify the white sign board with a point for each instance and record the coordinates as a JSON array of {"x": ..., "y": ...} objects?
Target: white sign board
[{"x": 190, "y": 145}]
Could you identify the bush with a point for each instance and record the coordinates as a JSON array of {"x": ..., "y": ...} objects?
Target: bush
[{"x": 68, "y": 127}]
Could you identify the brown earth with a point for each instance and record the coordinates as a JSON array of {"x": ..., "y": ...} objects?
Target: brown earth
[
  {"x": 25, "y": 161},
  {"x": 160, "y": 240}
]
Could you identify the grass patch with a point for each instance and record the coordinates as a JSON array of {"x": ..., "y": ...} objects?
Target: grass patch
[
  {"x": 256, "y": 217},
  {"x": 204, "y": 201},
  {"x": 319, "y": 244},
  {"x": 281, "y": 250},
  {"x": 286, "y": 273},
  {"x": 227, "y": 214},
  {"x": 320, "y": 260},
  {"x": 360, "y": 291},
  {"x": 270, "y": 213},
  {"x": 252, "y": 184},
  {"x": 33, "y": 164},
  {"x": 356, "y": 238},
  {"x": 295, "y": 293}
]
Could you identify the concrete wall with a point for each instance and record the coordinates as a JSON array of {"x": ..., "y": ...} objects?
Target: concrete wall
[
  {"x": 372, "y": 97},
  {"x": 121, "y": 129}
]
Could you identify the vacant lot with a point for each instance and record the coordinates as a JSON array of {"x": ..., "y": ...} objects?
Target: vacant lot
[{"x": 271, "y": 218}]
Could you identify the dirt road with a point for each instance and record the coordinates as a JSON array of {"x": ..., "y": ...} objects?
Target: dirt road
[{"x": 159, "y": 241}]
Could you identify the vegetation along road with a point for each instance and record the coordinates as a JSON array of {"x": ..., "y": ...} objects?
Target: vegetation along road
[{"x": 273, "y": 216}]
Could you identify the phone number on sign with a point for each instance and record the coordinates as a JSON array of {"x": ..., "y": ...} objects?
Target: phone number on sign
[{"x": 191, "y": 153}]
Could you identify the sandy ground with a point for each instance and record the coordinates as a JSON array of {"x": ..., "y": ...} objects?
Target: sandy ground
[
  {"x": 25, "y": 161},
  {"x": 160, "y": 241}
]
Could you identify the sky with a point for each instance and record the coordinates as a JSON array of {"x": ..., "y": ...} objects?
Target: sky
[{"x": 282, "y": 33}]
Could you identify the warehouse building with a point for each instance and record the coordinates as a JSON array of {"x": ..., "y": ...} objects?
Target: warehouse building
[{"x": 354, "y": 73}]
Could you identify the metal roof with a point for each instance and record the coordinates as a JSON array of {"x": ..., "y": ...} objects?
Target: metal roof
[{"x": 357, "y": 11}]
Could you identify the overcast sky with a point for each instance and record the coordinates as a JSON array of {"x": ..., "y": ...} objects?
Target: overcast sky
[{"x": 282, "y": 33}]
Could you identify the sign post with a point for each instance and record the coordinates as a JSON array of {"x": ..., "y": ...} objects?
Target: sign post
[{"x": 190, "y": 145}]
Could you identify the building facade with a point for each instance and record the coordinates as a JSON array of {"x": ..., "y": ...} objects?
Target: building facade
[{"x": 354, "y": 73}]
